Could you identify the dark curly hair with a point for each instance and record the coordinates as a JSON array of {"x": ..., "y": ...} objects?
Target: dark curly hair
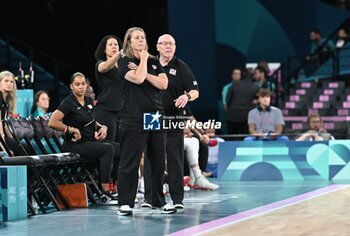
[{"x": 101, "y": 47}]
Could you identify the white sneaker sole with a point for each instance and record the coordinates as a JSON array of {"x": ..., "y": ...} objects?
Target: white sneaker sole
[
  {"x": 160, "y": 211},
  {"x": 204, "y": 188},
  {"x": 146, "y": 205},
  {"x": 179, "y": 207},
  {"x": 110, "y": 203},
  {"x": 124, "y": 213}
]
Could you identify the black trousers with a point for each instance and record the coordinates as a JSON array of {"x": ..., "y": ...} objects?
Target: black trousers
[
  {"x": 109, "y": 119},
  {"x": 108, "y": 154},
  {"x": 175, "y": 168},
  {"x": 133, "y": 143}
]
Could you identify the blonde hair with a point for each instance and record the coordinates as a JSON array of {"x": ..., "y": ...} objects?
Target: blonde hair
[
  {"x": 127, "y": 49},
  {"x": 11, "y": 96}
]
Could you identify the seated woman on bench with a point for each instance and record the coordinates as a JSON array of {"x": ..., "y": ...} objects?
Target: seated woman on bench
[{"x": 84, "y": 135}]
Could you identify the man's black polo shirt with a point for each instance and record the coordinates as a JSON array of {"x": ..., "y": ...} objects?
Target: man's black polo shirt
[{"x": 180, "y": 79}]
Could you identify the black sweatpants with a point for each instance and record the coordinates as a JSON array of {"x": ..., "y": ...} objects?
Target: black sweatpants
[
  {"x": 133, "y": 142},
  {"x": 108, "y": 154},
  {"x": 175, "y": 167}
]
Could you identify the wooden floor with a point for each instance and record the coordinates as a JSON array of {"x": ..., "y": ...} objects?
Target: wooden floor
[
  {"x": 237, "y": 208},
  {"x": 327, "y": 215}
]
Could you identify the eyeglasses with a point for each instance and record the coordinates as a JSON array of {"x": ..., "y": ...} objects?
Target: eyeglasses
[
  {"x": 167, "y": 43},
  {"x": 315, "y": 121}
]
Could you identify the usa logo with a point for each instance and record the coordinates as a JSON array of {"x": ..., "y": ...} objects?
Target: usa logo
[{"x": 172, "y": 71}]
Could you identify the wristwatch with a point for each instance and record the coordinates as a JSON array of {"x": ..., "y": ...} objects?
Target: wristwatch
[{"x": 189, "y": 96}]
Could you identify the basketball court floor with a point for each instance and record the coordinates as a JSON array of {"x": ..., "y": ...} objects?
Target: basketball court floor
[{"x": 237, "y": 208}]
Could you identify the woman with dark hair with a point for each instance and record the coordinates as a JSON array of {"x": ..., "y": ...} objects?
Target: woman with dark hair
[
  {"x": 84, "y": 135},
  {"x": 109, "y": 83},
  {"x": 41, "y": 103},
  {"x": 143, "y": 80}
]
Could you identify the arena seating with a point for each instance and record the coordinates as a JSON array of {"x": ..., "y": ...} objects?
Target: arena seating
[{"x": 330, "y": 99}]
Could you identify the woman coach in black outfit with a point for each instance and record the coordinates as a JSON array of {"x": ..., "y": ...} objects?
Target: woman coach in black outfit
[
  {"x": 84, "y": 135},
  {"x": 144, "y": 78},
  {"x": 109, "y": 83}
]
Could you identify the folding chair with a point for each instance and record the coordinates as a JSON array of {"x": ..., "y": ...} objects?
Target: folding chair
[
  {"x": 36, "y": 169},
  {"x": 82, "y": 171},
  {"x": 39, "y": 132},
  {"x": 35, "y": 180},
  {"x": 61, "y": 173}
]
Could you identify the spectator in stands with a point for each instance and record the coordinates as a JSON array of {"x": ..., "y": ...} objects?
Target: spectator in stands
[
  {"x": 316, "y": 132},
  {"x": 240, "y": 100},
  {"x": 41, "y": 103},
  {"x": 84, "y": 135},
  {"x": 265, "y": 65},
  {"x": 265, "y": 121},
  {"x": 8, "y": 91},
  {"x": 109, "y": 94},
  {"x": 343, "y": 38},
  {"x": 320, "y": 50},
  {"x": 235, "y": 75},
  {"x": 318, "y": 41},
  {"x": 198, "y": 180},
  {"x": 261, "y": 79}
]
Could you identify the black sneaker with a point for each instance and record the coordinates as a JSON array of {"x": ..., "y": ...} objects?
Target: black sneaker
[
  {"x": 124, "y": 210},
  {"x": 108, "y": 199},
  {"x": 146, "y": 204}
]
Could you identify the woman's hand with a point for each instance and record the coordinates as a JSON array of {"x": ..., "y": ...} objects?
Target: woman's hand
[
  {"x": 75, "y": 133},
  {"x": 205, "y": 138},
  {"x": 101, "y": 134},
  {"x": 144, "y": 55},
  {"x": 132, "y": 66}
]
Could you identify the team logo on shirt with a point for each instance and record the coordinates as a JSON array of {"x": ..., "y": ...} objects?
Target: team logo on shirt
[
  {"x": 154, "y": 67},
  {"x": 172, "y": 71},
  {"x": 152, "y": 121}
]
